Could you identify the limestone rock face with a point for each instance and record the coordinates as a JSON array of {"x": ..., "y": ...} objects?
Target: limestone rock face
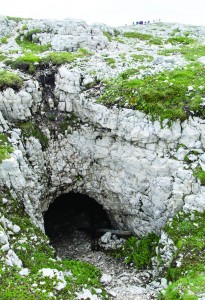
[
  {"x": 140, "y": 170},
  {"x": 68, "y": 34},
  {"x": 6, "y": 26},
  {"x": 130, "y": 165}
]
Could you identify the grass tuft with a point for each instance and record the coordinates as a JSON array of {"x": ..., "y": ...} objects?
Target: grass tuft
[
  {"x": 9, "y": 79},
  {"x": 27, "y": 62},
  {"x": 200, "y": 174}
]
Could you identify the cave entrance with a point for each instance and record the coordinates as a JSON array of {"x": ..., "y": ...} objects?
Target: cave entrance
[{"x": 75, "y": 212}]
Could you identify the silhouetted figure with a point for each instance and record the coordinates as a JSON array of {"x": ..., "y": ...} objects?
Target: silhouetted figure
[
  {"x": 141, "y": 22},
  {"x": 137, "y": 23}
]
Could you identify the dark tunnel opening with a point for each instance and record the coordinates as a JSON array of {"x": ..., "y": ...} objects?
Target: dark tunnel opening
[{"x": 75, "y": 212}]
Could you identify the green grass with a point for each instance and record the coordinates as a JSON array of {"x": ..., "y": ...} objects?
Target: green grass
[
  {"x": 9, "y": 79},
  {"x": 4, "y": 40},
  {"x": 180, "y": 40},
  {"x": 144, "y": 37},
  {"x": 194, "y": 52},
  {"x": 139, "y": 251},
  {"x": 188, "y": 233},
  {"x": 108, "y": 36},
  {"x": 162, "y": 96},
  {"x": 5, "y": 147},
  {"x": 141, "y": 57},
  {"x": 155, "y": 41},
  {"x": 200, "y": 174},
  {"x": 28, "y": 36},
  {"x": 59, "y": 58},
  {"x": 31, "y": 129},
  {"x": 28, "y": 43},
  {"x": 191, "y": 52},
  {"x": 138, "y": 35},
  {"x": 168, "y": 52},
  {"x": 26, "y": 62},
  {"x": 2, "y": 57},
  {"x": 32, "y": 247},
  {"x": 110, "y": 61},
  {"x": 29, "y": 62}
]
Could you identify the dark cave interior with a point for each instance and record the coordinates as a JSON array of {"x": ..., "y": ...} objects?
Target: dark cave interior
[{"x": 74, "y": 211}]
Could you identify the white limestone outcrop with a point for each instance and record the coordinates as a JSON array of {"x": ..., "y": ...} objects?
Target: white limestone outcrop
[
  {"x": 134, "y": 167},
  {"x": 67, "y": 35}
]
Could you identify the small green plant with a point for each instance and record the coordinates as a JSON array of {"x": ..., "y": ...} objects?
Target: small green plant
[
  {"x": 69, "y": 121},
  {"x": 5, "y": 147},
  {"x": 139, "y": 251},
  {"x": 199, "y": 174},
  {"x": 31, "y": 129},
  {"x": 4, "y": 40},
  {"x": 24, "y": 27},
  {"x": 51, "y": 117},
  {"x": 9, "y": 79}
]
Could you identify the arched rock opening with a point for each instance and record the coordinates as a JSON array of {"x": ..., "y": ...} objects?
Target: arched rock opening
[{"x": 75, "y": 212}]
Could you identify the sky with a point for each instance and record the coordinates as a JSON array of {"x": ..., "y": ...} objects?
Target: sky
[{"x": 110, "y": 12}]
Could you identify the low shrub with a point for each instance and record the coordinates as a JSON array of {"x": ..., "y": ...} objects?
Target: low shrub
[
  {"x": 9, "y": 79},
  {"x": 139, "y": 251},
  {"x": 26, "y": 62}
]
